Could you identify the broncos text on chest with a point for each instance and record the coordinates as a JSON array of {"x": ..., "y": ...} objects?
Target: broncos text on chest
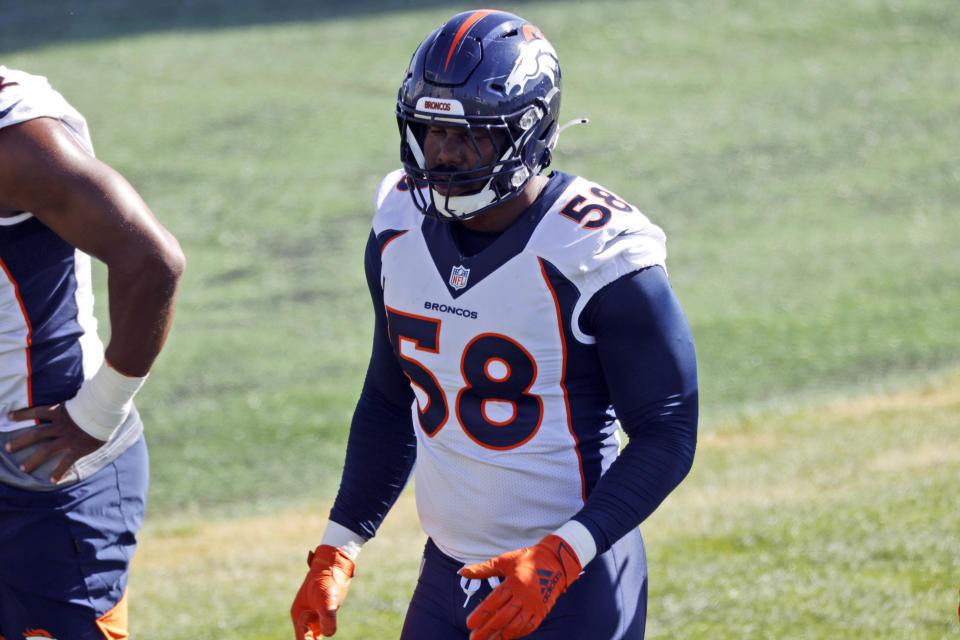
[{"x": 445, "y": 308}]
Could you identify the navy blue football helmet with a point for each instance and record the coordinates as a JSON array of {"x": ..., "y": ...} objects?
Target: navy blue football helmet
[{"x": 495, "y": 74}]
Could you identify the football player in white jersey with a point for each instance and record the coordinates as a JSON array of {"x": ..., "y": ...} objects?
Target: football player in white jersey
[
  {"x": 522, "y": 319},
  {"x": 73, "y": 463}
]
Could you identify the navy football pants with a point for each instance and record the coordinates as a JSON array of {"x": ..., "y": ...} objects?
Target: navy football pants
[
  {"x": 65, "y": 554},
  {"x": 607, "y": 602}
]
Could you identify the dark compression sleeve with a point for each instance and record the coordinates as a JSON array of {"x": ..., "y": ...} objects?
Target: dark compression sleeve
[
  {"x": 646, "y": 351},
  {"x": 382, "y": 447}
]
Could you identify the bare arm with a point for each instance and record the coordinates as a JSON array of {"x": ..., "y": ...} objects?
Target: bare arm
[{"x": 93, "y": 208}]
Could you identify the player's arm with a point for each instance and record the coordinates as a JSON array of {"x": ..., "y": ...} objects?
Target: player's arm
[
  {"x": 646, "y": 351},
  {"x": 381, "y": 451},
  {"x": 93, "y": 208},
  {"x": 381, "y": 448}
]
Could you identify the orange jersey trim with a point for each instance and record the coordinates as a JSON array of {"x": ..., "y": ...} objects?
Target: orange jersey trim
[
  {"x": 26, "y": 319},
  {"x": 384, "y": 247},
  {"x": 563, "y": 377}
]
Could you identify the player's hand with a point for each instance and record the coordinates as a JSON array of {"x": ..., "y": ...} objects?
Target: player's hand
[
  {"x": 314, "y": 610},
  {"x": 534, "y": 577},
  {"x": 60, "y": 434}
]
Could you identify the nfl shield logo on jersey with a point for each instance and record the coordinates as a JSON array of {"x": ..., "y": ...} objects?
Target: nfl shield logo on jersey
[{"x": 458, "y": 277}]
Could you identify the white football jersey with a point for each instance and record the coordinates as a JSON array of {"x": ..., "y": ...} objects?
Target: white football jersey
[{"x": 512, "y": 415}]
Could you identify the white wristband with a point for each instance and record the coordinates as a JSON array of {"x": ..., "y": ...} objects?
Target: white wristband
[
  {"x": 337, "y": 535},
  {"x": 580, "y": 540},
  {"x": 104, "y": 401}
]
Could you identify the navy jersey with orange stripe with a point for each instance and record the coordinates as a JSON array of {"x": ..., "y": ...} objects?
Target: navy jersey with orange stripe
[
  {"x": 512, "y": 367},
  {"x": 40, "y": 282}
]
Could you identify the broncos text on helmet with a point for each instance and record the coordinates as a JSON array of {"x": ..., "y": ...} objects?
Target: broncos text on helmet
[{"x": 495, "y": 74}]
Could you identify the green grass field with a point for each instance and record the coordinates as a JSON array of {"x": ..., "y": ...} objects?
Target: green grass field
[{"x": 801, "y": 158}]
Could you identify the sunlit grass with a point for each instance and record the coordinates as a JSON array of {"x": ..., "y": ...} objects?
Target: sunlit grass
[
  {"x": 798, "y": 157},
  {"x": 835, "y": 521}
]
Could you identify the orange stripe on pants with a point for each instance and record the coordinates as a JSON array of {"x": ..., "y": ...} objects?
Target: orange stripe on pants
[{"x": 114, "y": 622}]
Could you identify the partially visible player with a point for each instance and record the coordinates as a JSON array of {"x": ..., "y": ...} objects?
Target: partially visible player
[
  {"x": 521, "y": 320},
  {"x": 73, "y": 463}
]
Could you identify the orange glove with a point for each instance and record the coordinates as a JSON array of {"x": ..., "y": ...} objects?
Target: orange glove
[
  {"x": 535, "y": 576},
  {"x": 314, "y": 610}
]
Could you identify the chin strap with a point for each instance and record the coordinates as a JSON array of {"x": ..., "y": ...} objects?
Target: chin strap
[{"x": 461, "y": 206}]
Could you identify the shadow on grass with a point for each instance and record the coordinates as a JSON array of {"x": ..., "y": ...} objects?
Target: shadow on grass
[{"x": 28, "y": 24}]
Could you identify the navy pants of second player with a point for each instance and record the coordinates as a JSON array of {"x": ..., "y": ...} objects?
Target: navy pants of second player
[
  {"x": 607, "y": 602},
  {"x": 65, "y": 554}
]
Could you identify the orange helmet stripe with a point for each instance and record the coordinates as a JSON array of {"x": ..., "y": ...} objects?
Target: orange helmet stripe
[{"x": 464, "y": 28}]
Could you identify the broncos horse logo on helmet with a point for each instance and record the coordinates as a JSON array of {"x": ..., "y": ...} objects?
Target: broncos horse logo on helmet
[
  {"x": 493, "y": 73},
  {"x": 536, "y": 58}
]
